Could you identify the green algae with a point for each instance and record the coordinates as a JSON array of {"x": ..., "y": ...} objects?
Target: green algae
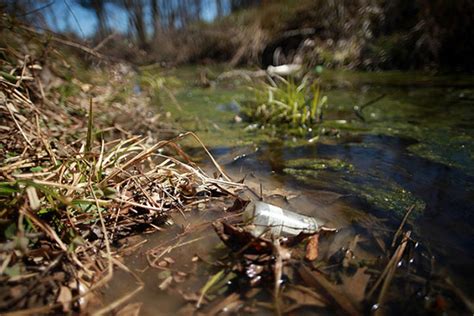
[
  {"x": 319, "y": 164},
  {"x": 395, "y": 78},
  {"x": 213, "y": 113},
  {"x": 438, "y": 143},
  {"x": 382, "y": 194},
  {"x": 438, "y": 119},
  {"x": 434, "y": 112}
]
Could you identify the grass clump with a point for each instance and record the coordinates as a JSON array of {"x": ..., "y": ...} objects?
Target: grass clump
[
  {"x": 287, "y": 104},
  {"x": 159, "y": 87}
]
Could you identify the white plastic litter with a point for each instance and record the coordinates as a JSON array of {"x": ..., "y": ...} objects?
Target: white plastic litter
[{"x": 266, "y": 217}]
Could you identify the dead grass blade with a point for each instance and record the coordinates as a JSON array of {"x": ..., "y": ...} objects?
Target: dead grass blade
[
  {"x": 77, "y": 195},
  {"x": 317, "y": 280},
  {"x": 402, "y": 223},
  {"x": 388, "y": 273}
]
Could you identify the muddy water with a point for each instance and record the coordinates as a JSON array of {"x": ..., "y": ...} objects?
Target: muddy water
[
  {"x": 196, "y": 251},
  {"x": 415, "y": 147}
]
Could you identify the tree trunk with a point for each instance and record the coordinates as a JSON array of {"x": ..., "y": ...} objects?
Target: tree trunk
[
  {"x": 197, "y": 9},
  {"x": 98, "y": 7},
  {"x": 135, "y": 10},
  {"x": 220, "y": 11},
  {"x": 155, "y": 15}
]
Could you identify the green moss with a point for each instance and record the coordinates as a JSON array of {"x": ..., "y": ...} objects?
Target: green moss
[{"x": 436, "y": 141}]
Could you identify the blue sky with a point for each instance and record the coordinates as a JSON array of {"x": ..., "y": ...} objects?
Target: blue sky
[{"x": 62, "y": 16}]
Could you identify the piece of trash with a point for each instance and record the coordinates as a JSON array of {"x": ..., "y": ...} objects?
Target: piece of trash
[
  {"x": 283, "y": 70},
  {"x": 279, "y": 222}
]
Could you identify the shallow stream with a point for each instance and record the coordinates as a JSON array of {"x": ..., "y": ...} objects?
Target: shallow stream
[{"x": 415, "y": 148}]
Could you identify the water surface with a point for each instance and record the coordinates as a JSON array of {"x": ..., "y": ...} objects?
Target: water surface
[{"x": 415, "y": 147}]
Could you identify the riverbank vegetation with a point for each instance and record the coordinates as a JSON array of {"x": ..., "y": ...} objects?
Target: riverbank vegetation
[
  {"x": 351, "y": 34},
  {"x": 74, "y": 179}
]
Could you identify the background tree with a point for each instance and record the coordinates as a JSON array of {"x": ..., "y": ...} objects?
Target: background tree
[
  {"x": 98, "y": 6},
  {"x": 135, "y": 11},
  {"x": 155, "y": 17},
  {"x": 219, "y": 8}
]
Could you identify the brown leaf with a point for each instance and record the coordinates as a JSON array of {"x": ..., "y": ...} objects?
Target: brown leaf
[
  {"x": 312, "y": 248},
  {"x": 231, "y": 304},
  {"x": 355, "y": 286},
  {"x": 65, "y": 298},
  {"x": 238, "y": 239},
  {"x": 332, "y": 291}
]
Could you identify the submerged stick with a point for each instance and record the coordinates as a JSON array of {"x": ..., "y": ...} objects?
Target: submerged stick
[
  {"x": 402, "y": 223},
  {"x": 278, "y": 271},
  {"x": 391, "y": 268},
  {"x": 389, "y": 271},
  {"x": 359, "y": 108}
]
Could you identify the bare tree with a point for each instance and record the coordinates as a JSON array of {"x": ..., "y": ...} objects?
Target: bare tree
[
  {"x": 98, "y": 6},
  {"x": 197, "y": 9},
  {"x": 137, "y": 20},
  {"x": 155, "y": 17},
  {"x": 236, "y": 5},
  {"x": 220, "y": 9}
]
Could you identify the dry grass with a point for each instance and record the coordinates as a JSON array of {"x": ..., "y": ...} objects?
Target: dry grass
[{"x": 73, "y": 179}]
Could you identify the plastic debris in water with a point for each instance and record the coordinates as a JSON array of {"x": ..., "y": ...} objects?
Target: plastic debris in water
[{"x": 266, "y": 217}]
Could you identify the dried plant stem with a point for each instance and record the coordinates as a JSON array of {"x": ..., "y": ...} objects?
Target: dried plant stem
[
  {"x": 388, "y": 273},
  {"x": 278, "y": 271},
  {"x": 18, "y": 126},
  {"x": 107, "y": 309},
  {"x": 402, "y": 223}
]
